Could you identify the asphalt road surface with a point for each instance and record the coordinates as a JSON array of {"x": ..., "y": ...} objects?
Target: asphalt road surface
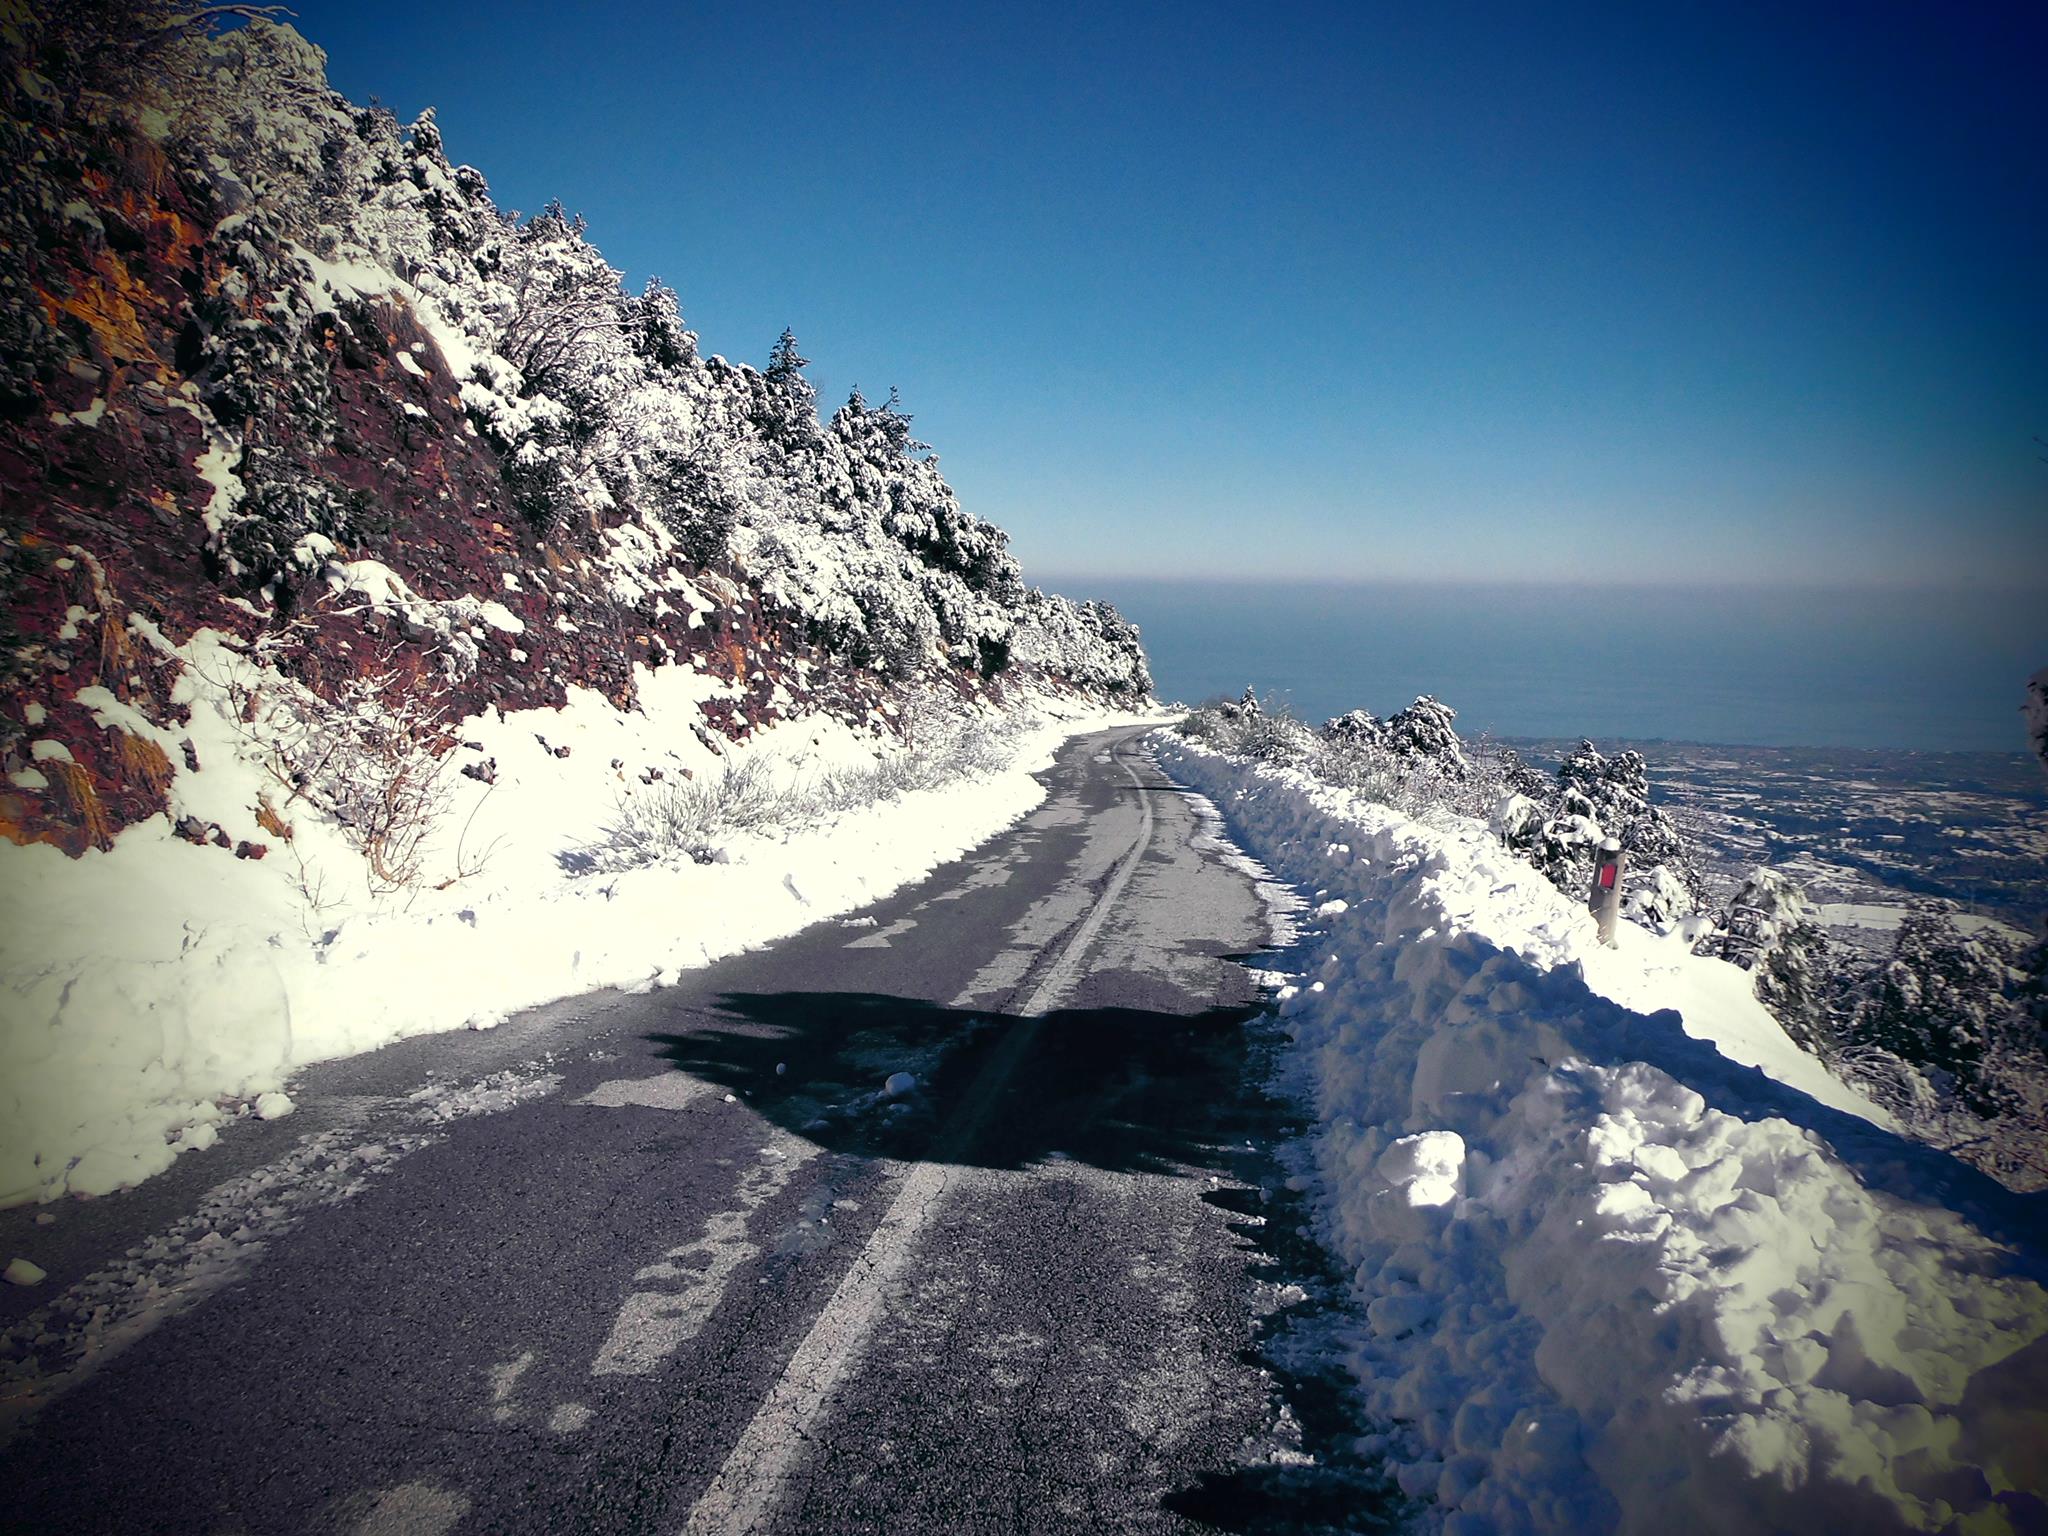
[{"x": 681, "y": 1262}]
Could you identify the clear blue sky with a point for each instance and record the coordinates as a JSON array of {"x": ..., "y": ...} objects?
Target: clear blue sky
[{"x": 1650, "y": 293}]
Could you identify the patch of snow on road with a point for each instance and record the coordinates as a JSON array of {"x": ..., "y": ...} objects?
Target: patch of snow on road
[
  {"x": 1628, "y": 1259},
  {"x": 93, "y": 1320},
  {"x": 1279, "y": 902},
  {"x": 664, "y": 1090},
  {"x": 439, "y": 1103}
]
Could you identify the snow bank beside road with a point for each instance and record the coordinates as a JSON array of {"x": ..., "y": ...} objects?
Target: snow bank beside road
[
  {"x": 1629, "y": 1258},
  {"x": 150, "y": 992}
]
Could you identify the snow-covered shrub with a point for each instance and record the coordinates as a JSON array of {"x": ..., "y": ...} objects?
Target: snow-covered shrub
[
  {"x": 1769, "y": 929},
  {"x": 1558, "y": 825},
  {"x": 1939, "y": 1032},
  {"x": 1615, "y": 792},
  {"x": 1414, "y": 767},
  {"x": 1423, "y": 732},
  {"x": 1413, "y": 760},
  {"x": 931, "y": 759},
  {"x": 288, "y": 520},
  {"x": 1244, "y": 729},
  {"x": 1657, "y": 901},
  {"x": 690, "y": 489},
  {"x": 1942, "y": 1002},
  {"x": 1089, "y": 644},
  {"x": 688, "y": 817},
  {"x": 255, "y": 343}
]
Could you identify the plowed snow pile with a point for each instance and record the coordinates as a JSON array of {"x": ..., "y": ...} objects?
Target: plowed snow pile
[{"x": 1630, "y": 1259}]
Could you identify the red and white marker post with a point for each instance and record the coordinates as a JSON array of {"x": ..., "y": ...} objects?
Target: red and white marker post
[{"x": 1605, "y": 897}]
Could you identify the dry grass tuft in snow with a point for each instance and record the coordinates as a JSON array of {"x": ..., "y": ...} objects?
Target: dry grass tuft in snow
[{"x": 692, "y": 817}]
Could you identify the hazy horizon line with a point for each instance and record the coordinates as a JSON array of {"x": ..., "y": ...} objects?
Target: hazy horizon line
[{"x": 1055, "y": 579}]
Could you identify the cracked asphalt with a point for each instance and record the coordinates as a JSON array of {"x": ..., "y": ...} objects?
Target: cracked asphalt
[{"x": 686, "y": 1267}]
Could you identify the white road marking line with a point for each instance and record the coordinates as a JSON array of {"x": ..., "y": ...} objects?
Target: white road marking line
[{"x": 756, "y": 1474}]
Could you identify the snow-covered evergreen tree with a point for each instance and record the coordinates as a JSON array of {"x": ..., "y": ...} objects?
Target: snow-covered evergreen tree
[
  {"x": 1656, "y": 901},
  {"x": 1614, "y": 792},
  {"x": 1425, "y": 731},
  {"x": 1355, "y": 725},
  {"x": 786, "y": 364}
]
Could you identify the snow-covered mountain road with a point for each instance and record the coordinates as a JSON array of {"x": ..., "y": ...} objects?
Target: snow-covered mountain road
[{"x": 933, "y": 1219}]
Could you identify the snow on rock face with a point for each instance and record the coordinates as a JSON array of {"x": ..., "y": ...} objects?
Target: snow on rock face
[{"x": 1629, "y": 1259}]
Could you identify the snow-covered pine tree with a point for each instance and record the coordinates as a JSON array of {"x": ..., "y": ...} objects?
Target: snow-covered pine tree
[
  {"x": 893, "y": 423},
  {"x": 654, "y": 324},
  {"x": 1656, "y": 900},
  {"x": 1557, "y": 824},
  {"x": 1356, "y": 727},
  {"x": 786, "y": 365}
]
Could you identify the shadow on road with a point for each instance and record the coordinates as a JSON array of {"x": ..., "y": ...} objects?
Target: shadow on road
[{"x": 1124, "y": 1089}]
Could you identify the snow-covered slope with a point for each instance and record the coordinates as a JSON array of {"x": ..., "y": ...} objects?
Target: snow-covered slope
[
  {"x": 1631, "y": 1260},
  {"x": 148, "y": 995}
]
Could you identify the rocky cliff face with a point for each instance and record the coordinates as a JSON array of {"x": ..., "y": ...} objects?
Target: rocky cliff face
[{"x": 272, "y": 367}]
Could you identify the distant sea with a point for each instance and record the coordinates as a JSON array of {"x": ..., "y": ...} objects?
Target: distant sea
[{"x": 1786, "y": 667}]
